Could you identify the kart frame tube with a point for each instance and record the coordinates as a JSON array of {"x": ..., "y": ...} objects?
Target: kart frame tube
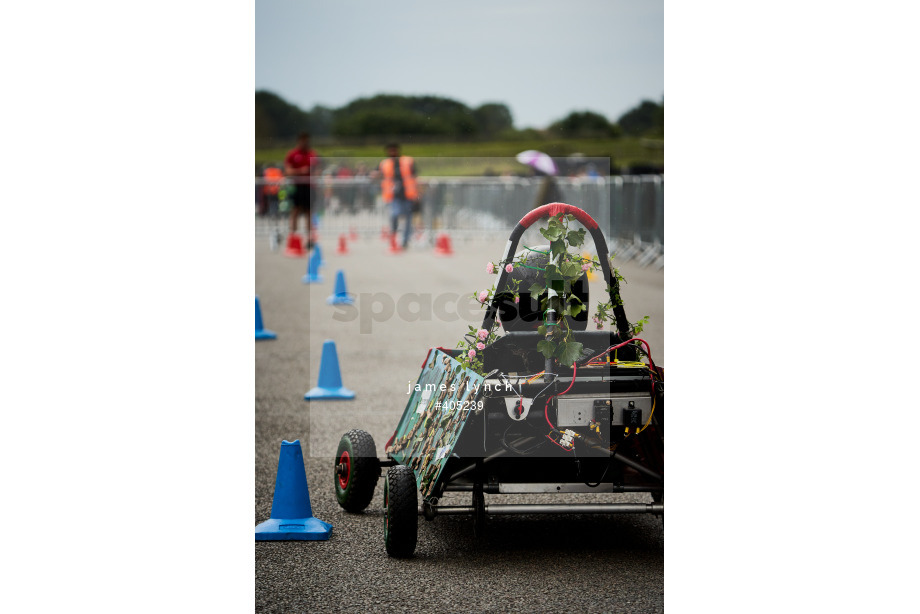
[{"x": 504, "y": 509}]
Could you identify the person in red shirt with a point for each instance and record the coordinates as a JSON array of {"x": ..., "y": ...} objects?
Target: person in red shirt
[{"x": 300, "y": 165}]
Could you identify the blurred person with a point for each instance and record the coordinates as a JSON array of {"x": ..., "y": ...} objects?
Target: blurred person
[
  {"x": 399, "y": 188},
  {"x": 548, "y": 192},
  {"x": 301, "y": 164},
  {"x": 272, "y": 176}
]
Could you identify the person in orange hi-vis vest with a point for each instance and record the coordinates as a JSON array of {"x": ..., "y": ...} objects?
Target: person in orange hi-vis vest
[
  {"x": 273, "y": 177},
  {"x": 399, "y": 188}
]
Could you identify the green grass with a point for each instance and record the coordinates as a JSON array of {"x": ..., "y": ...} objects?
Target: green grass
[{"x": 497, "y": 155}]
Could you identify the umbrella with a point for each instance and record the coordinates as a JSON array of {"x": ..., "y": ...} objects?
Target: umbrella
[{"x": 538, "y": 160}]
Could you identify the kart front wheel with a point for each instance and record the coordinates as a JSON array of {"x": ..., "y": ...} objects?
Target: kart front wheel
[
  {"x": 357, "y": 469},
  {"x": 400, "y": 512}
]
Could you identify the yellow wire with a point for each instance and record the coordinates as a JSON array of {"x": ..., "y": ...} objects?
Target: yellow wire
[{"x": 650, "y": 414}]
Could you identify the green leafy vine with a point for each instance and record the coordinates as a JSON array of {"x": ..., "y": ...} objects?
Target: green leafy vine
[{"x": 564, "y": 267}]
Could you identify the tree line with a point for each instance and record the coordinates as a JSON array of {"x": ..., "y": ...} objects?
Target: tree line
[{"x": 434, "y": 116}]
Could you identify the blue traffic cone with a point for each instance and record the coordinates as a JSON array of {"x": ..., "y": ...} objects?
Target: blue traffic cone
[
  {"x": 262, "y": 333},
  {"x": 329, "y": 385},
  {"x": 319, "y": 255},
  {"x": 313, "y": 276},
  {"x": 292, "y": 515},
  {"x": 341, "y": 295}
]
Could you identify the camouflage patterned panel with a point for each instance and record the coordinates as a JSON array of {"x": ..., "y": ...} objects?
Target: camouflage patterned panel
[{"x": 439, "y": 405}]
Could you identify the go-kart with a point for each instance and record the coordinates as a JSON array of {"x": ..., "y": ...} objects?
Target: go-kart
[{"x": 529, "y": 424}]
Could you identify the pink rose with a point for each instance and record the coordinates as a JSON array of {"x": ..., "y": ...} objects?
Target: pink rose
[
  {"x": 483, "y": 296},
  {"x": 517, "y": 299},
  {"x": 508, "y": 268},
  {"x": 482, "y": 334},
  {"x": 471, "y": 353},
  {"x": 490, "y": 268},
  {"x": 585, "y": 267},
  {"x": 480, "y": 346}
]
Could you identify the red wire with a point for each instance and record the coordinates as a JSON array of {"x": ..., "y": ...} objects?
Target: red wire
[
  {"x": 546, "y": 408},
  {"x": 546, "y": 415},
  {"x": 559, "y": 444},
  {"x": 574, "y": 372}
]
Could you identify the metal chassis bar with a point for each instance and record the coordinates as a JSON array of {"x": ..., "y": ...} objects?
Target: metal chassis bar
[
  {"x": 617, "y": 456},
  {"x": 548, "y": 508},
  {"x": 604, "y": 487}
]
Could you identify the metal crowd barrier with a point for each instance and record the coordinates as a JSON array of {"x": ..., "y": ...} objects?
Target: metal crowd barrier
[{"x": 629, "y": 208}]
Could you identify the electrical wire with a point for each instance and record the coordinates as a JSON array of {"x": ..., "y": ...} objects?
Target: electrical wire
[
  {"x": 510, "y": 385},
  {"x": 603, "y": 475},
  {"x": 572, "y": 449},
  {"x": 627, "y": 364},
  {"x": 528, "y": 375},
  {"x": 648, "y": 350},
  {"x": 653, "y": 370},
  {"x": 522, "y": 376},
  {"x": 546, "y": 407},
  {"x": 650, "y": 414},
  {"x": 555, "y": 377}
]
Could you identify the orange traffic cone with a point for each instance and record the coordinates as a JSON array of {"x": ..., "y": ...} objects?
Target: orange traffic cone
[
  {"x": 343, "y": 246},
  {"x": 294, "y": 247},
  {"x": 442, "y": 245}
]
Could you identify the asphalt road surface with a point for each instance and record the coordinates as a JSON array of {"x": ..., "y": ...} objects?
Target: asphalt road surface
[{"x": 407, "y": 303}]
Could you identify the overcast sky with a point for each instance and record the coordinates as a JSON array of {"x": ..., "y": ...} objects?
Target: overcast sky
[{"x": 542, "y": 58}]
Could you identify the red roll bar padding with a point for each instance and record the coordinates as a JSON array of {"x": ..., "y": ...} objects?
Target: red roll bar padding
[{"x": 554, "y": 209}]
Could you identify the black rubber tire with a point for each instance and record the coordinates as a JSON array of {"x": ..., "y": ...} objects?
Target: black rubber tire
[
  {"x": 479, "y": 512},
  {"x": 354, "y": 488},
  {"x": 400, "y": 512}
]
